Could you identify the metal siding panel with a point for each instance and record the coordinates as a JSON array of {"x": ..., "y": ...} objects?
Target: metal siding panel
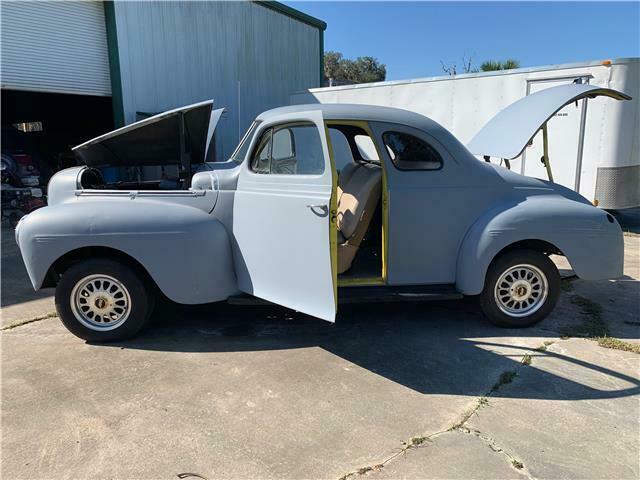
[
  {"x": 176, "y": 53},
  {"x": 55, "y": 47}
]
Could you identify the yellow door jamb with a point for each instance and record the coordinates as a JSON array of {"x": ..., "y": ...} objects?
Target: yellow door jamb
[{"x": 362, "y": 281}]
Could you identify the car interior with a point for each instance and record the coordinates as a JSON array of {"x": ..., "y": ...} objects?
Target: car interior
[{"x": 359, "y": 212}]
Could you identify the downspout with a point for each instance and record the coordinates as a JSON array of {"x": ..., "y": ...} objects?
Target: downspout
[
  {"x": 321, "y": 41},
  {"x": 114, "y": 64}
]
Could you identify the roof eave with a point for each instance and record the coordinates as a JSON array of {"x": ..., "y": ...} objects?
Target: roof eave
[{"x": 293, "y": 13}]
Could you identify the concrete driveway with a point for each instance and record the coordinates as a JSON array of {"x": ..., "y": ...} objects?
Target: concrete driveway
[{"x": 389, "y": 391}]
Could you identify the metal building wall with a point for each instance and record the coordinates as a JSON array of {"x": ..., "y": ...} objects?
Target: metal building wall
[
  {"x": 55, "y": 47},
  {"x": 245, "y": 56}
]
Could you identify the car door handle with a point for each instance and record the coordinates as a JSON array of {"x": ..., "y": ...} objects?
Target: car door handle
[{"x": 320, "y": 206}]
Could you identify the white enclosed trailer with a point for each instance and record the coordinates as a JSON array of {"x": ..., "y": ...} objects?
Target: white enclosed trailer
[{"x": 593, "y": 144}]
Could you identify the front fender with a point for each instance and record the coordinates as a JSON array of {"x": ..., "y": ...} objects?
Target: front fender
[
  {"x": 590, "y": 238},
  {"x": 185, "y": 250}
]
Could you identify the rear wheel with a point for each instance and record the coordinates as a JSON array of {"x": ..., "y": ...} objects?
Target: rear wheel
[
  {"x": 102, "y": 300},
  {"x": 521, "y": 288}
]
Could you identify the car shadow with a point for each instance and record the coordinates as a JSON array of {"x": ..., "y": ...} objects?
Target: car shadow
[{"x": 435, "y": 348}]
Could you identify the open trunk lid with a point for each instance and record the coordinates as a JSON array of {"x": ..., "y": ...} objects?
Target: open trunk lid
[
  {"x": 180, "y": 136},
  {"x": 507, "y": 134}
]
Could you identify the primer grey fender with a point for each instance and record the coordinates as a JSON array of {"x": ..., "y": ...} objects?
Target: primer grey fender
[
  {"x": 185, "y": 250},
  {"x": 592, "y": 243}
]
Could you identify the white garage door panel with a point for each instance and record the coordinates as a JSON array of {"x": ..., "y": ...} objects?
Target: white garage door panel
[{"x": 55, "y": 47}]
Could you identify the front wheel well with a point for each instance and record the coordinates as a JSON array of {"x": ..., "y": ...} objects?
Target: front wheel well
[{"x": 63, "y": 263}]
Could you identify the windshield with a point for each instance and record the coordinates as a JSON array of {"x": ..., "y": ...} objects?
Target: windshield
[{"x": 240, "y": 152}]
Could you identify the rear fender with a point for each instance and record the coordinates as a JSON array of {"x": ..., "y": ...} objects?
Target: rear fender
[
  {"x": 184, "y": 250},
  {"x": 588, "y": 237}
]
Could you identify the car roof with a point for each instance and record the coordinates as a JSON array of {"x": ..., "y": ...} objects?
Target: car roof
[{"x": 346, "y": 111}]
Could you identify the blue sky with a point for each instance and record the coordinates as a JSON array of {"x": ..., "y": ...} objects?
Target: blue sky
[{"x": 412, "y": 37}]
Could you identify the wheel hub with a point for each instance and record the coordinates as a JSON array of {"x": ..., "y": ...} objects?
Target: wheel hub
[
  {"x": 100, "y": 302},
  {"x": 521, "y": 290}
]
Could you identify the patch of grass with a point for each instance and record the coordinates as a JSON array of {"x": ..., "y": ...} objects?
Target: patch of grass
[
  {"x": 526, "y": 359},
  {"x": 593, "y": 324},
  {"x": 517, "y": 464},
  {"x": 566, "y": 286},
  {"x": 617, "y": 344},
  {"x": 505, "y": 378}
]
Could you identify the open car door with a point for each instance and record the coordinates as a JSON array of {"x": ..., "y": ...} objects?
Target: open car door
[{"x": 283, "y": 218}]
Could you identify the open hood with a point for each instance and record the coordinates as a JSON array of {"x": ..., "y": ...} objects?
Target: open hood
[
  {"x": 507, "y": 134},
  {"x": 162, "y": 139}
]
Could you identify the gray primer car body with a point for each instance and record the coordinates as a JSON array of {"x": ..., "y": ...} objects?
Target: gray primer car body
[{"x": 444, "y": 226}]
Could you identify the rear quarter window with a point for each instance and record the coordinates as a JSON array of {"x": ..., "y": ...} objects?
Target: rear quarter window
[{"x": 408, "y": 152}]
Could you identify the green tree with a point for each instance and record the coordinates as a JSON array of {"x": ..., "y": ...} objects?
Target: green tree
[
  {"x": 332, "y": 67},
  {"x": 493, "y": 65},
  {"x": 343, "y": 71}
]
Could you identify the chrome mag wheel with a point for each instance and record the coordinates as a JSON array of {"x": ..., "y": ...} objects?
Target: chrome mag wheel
[
  {"x": 100, "y": 302},
  {"x": 521, "y": 290}
]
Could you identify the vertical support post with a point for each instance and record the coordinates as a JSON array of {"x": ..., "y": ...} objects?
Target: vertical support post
[
  {"x": 239, "y": 116},
  {"x": 583, "y": 121},
  {"x": 545, "y": 150},
  {"x": 185, "y": 155}
]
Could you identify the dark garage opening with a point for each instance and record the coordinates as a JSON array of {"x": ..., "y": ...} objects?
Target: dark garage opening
[{"x": 42, "y": 127}]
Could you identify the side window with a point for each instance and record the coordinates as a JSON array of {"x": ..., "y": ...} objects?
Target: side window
[
  {"x": 289, "y": 150},
  {"x": 262, "y": 153},
  {"x": 411, "y": 153}
]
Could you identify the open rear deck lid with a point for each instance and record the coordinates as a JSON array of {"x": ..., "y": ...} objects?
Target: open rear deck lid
[
  {"x": 507, "y": 134},
  {"x": 162, "y": 139}
]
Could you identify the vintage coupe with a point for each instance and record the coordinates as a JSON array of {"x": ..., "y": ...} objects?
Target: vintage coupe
[{"x": 319, "y": 204}]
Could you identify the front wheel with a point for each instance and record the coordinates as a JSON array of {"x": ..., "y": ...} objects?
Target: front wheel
[
  {"x": 101, "y": 300},
  {"x": 521, "y": 288}
]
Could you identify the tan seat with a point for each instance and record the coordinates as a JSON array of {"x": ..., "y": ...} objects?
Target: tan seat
[{"x": 359, "y": 188}]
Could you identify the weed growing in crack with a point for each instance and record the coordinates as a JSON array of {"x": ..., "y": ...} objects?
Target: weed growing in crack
[
  {"x": 483, "y": 402},
  {"x": 517, "y": 464},
  {"x": 505, "y": 378},
  {"x": 526, "y": 359},
  {"x": 544, "y": 346},
  {"x": 415, "y": 441}
]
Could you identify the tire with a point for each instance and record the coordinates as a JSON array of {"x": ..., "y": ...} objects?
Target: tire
[
  {"x": 102, "y": 300},
  {"x": 528, "y": 291}
]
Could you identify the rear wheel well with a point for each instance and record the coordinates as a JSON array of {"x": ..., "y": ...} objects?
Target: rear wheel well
[
  {"x": 74, "y": 256},
  {"x": 532, "y": 244}
]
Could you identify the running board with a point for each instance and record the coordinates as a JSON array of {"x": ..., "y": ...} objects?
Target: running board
[{"x": 382, "y": 294}]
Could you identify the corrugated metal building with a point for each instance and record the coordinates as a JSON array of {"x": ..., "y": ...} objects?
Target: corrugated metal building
[{"x": 145, "y": 57}]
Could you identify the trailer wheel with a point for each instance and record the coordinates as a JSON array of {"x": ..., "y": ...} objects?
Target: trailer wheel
[
  {"x": 521, "y": 289},
  {"x": 102, "y": 300}
]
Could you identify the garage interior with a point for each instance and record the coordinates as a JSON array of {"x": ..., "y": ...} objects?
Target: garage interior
[{"x": 57, "y": 122}]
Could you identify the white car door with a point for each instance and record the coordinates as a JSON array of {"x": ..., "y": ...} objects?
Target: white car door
[{"x": 283, "y": 216}]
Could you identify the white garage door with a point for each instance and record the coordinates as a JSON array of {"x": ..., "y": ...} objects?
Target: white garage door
[{"x": 55, "y": 47}]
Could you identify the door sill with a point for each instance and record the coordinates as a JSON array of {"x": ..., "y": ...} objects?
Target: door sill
[
  {"x": 373, "y": 294},
  {"x": 408, "y": 293}
]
